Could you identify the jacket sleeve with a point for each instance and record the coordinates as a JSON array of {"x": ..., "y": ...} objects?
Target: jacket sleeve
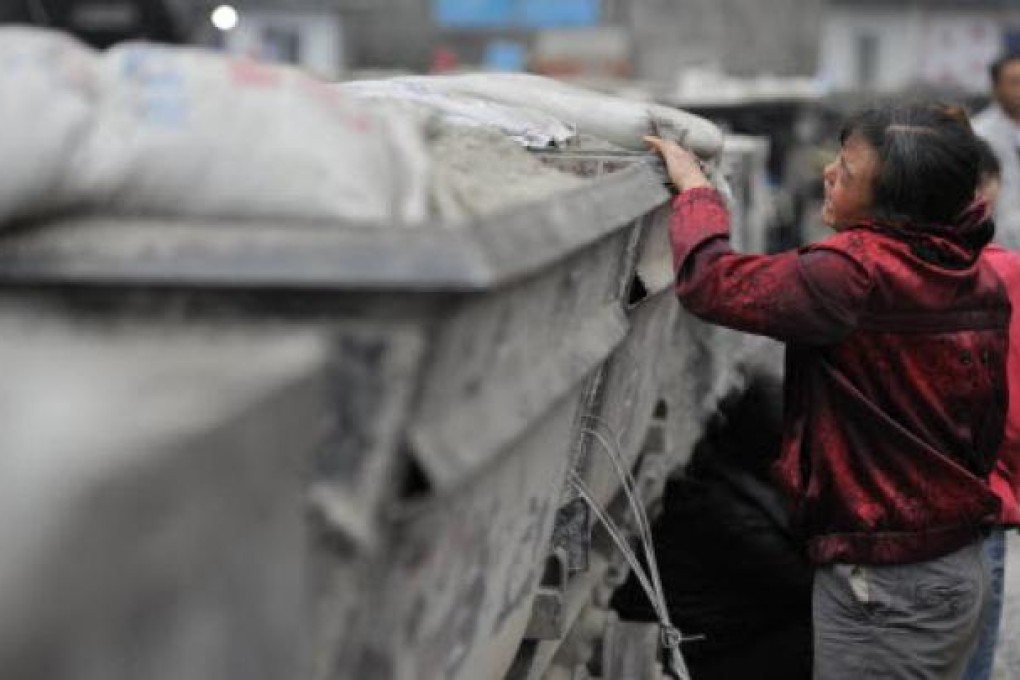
[{"x": 811, "y": 296}]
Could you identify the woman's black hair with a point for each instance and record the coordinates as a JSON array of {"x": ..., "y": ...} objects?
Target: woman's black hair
[{"x": 929, "y": 160}]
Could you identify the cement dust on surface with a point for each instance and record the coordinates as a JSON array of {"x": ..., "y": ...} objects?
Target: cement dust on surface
[{"x": 479, "y": 172}]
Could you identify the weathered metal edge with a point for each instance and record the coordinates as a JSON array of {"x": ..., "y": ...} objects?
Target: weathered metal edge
[
  {"x": 232, "y": 254},
  {"x": 530, "y": 239}
]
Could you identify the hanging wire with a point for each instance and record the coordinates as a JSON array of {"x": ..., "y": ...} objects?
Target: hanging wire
[
  {"x": 670, "y": 635},
  {"x": 618, "y": 539},
  {"x": 614, "y": 452},
  {"x": 650, "y": 580}
]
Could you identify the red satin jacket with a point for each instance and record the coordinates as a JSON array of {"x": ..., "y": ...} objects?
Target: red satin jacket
[
  {"x": 895, "y": 390},
  {"x": 1006, "y": 475}
]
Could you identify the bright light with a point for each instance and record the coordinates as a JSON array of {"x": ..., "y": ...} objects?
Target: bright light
[{"x": 225, "y": 18}]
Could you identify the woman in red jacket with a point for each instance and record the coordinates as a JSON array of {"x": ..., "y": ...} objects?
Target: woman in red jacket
[{"x": 895, "y": 391}]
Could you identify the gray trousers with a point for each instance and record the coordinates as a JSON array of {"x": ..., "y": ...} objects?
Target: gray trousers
[{"x": 913, "y": 621}]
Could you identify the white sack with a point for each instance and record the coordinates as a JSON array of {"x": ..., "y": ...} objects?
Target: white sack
[
  {"x": 613, "y": 119},
  {"x": 531, "y": 128},
  {"x": 47, "y": 91},
  {"x": 479, "y": 171},
  {"x": 193, "y": 133}
]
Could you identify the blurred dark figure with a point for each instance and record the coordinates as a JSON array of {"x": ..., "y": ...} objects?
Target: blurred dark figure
[
  {"x": 731, "y": 570},
  {"x": 98, "y": 23}
]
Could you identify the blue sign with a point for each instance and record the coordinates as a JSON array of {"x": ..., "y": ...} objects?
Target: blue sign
[
  {"x": 557, "y": 13},
  {"x": 516, "y": 13},
  {"x": 505, "y": 55},
  {"x": 474, "y": 13}
]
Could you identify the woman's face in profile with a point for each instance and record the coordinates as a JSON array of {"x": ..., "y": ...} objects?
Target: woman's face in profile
[{"x": 849, "y": 184}]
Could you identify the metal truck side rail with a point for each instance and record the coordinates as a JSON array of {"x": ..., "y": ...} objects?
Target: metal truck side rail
[{"x": 474, "y": 256}]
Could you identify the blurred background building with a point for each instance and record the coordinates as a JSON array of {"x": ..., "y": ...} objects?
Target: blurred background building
[
  {"x": 890, "y": 45},
  {"x": 881, "y": 46},
  {"x": 648, "y": 39}
]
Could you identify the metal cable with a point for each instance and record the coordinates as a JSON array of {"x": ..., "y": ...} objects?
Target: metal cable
[
  {"x": 617, "y": 537},
  {"x": 670, "y": 635},
  {"x": 630, "y": 489},
  {"x": 650, "y": 581}
]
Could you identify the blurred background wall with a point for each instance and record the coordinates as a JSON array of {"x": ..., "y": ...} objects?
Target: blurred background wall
[
  {"x": 890, "y": 45},
  {"x": 648, "y": 39},
  {"x": 846, "y": 45}
]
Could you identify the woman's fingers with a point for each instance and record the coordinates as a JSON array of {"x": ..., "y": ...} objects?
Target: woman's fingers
[
  {"x": 656, "y": 144},
  {"x": 671, "y": 151},
  {"x": 663, "y": 146},
  {"x": 683, "y": 167}
]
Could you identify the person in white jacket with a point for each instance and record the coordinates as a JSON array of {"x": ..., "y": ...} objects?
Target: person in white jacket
[{"x": 999, "y": 125}]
